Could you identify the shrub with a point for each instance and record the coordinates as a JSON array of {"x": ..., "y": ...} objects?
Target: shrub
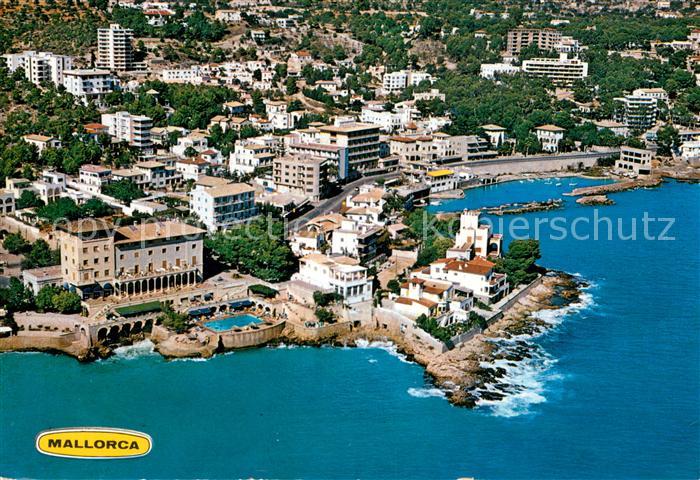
[{"x": 263, "y": 291}]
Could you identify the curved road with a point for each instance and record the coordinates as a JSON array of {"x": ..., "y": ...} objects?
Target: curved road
[{"x": 332, "y": 204}]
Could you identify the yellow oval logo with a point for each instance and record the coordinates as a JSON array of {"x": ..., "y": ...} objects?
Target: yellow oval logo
[{"x": 91, "y": 442}]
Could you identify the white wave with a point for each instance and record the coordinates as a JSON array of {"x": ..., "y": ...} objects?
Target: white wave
[
  {"x": 144, "y": 348},
  {"x": 522, "y": 383},
  {"x": 388, "y": 347},
  {"x": 286, "y": 346},
  {"x": 190, "y": 359},
  {"x": 426, "y": 392},
  {"x": 556, "y": 316}
]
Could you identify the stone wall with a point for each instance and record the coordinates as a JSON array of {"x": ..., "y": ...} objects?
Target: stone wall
[
  {"x": 252, "y": 338},
  {"x": 513, "y": 297},
  {"x": 30, "y": 233},
  {"x": 398, "y": 324},
  {"x": 536, "y": 166},
  {"x": 37, "y": 342},
  {"x": 320, "y": 333}
]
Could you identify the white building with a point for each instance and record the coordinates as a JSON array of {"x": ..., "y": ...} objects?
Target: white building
[
  {"x": 339, "y": 274},
  {"x": 441, "y": 180},
  {"x": 114, "y": 48},
  {"x": 434, "y": 298},
  {"x": 220, "y": 204},
  {"x": 690, "y": 151},
  {"x": 634, "y": 161},
  {"x": 395, "y": 82},
  {"x": 228, "y": 16},
  {"x": 474, "y": 238},
  {"x": 496, "y": 134},
  {"x": 41, "y": 142},
  {"x": 191, "y": 168},
  {"x": 252, "y": 153},
  {"x": 390, "y": 121},
  {"x": 549, "y": 137},
  {"x": 89, "y": 85},
  {"x": 561, "y": 71},
  {"x": 40, "y": 67},
  {"x": 491, "y": 70},
  {"x": 94, "y": 177},
  {"x": 197, "y": 140},
  {"x": 659, "y": 94},
  {"x": 636, "y": 112},
  {"x": 133, "y": 129},
  {"x": 477, "y": 275}
]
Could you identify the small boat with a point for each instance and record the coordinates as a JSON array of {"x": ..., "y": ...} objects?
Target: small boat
[
  {"x": 573, "y": 184},
  {"x": 558, "y": 184}
]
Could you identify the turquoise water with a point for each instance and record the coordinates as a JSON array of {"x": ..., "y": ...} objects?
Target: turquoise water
[
  {"x": 611, "y": 392},
  {"x": 230, "y": 322}
]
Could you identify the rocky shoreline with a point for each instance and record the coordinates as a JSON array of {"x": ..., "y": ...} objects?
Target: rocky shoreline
[{"x": 459, "y": 372}]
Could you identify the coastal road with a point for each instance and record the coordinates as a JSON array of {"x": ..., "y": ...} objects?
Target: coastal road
[
  {"x": 533, "y": 158},
  {"x": 333, "y": 204}
]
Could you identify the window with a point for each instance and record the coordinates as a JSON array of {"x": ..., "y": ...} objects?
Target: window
[
  {"x": 163, "y": 251},
  {"x": 85, "y": 263},
  {"x": 106, "y": 273},
  {"x": 121, "y": 257},
  {"x": 94, "y": 249},
  {"x": 84, "y": 249},
  {"x": 106, "y": 259}
]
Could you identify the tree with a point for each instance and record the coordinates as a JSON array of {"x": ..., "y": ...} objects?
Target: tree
[
  {"x": 667, "y": 139},
  {"x": 258, "y": 248},
  {"x": 173, "y": 320},
  {"x": 324, "y": 299},
  {"x": 190, "y": 152},
  {"x": 15, "y": 243},
  {"x": 95, "y": 208},
  {"x": 324, "y": 315},
  {"x": 519, "y": 262},
  {"x": 29, "y": 199},
  {"x": 44, "y": 299},
  {"x": 124, "y": 190},
  {"x": 291, "y": 86},
  {"x": 394, "y": 286},
  {"x": 16, "y": 297},
  {"x": 60, "y": 209},
  {"x": 66, "y": 302},
  {"x": 41, "y": 255}
]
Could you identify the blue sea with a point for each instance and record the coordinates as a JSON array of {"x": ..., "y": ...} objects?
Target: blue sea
[{"x": 612, "y": 390}]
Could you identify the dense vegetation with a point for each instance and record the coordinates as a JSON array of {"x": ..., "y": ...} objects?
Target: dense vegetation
[
  {"x": 18, "y": 298},
  {"x": 258, "y": 248},
  {"x": 519, "y": 262},
  {"x": 431, "y": 326}
]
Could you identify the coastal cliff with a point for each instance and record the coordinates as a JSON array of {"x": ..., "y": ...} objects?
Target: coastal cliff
[{"x": 460, "y": 372}]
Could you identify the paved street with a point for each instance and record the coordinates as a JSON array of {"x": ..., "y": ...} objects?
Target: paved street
[{"x": 333, "y": 204}]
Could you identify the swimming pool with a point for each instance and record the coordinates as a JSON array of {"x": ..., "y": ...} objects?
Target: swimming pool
[{"x": 228, "y": 323}]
